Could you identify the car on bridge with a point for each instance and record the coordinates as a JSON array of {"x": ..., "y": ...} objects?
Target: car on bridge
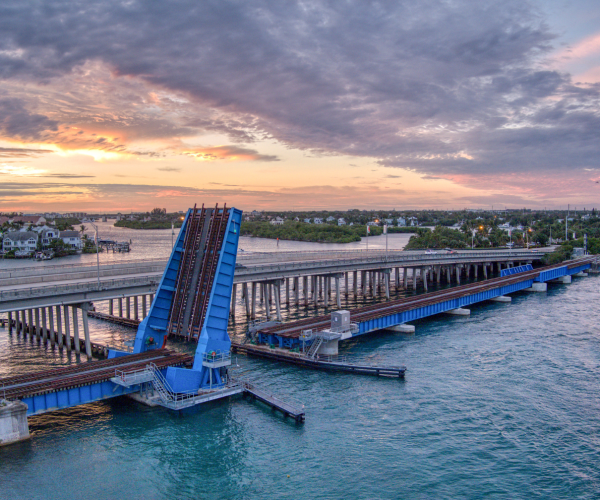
[{"x": 430, "y": 252}]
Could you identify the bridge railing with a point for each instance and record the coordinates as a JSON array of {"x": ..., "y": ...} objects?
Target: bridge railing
[
  {"x": 44, "y": 291},
  {"x": 35, "y": 270},
  {"x": 387, "y": 260}
]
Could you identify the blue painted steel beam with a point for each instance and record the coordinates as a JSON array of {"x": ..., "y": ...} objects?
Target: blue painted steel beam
[{"x": 75, "y": 396}]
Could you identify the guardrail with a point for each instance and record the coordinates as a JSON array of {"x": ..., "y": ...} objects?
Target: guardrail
[
  {"x": 35, "y": 270},
  {"x": 390, "y": 260},
  {"x": 77, "y": 287}
]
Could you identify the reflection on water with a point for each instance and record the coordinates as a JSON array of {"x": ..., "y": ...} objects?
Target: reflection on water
[{"x": 502, "y": 404}]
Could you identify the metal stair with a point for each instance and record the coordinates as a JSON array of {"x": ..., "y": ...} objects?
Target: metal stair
[{"x": 314, "y": 347}]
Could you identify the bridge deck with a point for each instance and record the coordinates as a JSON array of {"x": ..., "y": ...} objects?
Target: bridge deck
[
  {"x": 57, "y": 379},
  {"x": 363, "y": 314}
]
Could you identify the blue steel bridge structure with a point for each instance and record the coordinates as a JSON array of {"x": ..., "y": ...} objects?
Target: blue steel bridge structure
[{"x": 193, "y": 300}]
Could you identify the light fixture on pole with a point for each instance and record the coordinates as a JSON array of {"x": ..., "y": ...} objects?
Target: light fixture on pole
[{"x": 97, "y": 252}]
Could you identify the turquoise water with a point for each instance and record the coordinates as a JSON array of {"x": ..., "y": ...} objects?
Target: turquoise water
[{"x": 501, "y": 405}]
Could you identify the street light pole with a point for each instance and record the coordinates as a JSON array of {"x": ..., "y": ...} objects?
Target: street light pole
[{"x": 97, "y": 253}]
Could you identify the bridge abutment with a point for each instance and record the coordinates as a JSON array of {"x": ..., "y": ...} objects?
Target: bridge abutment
[{"x": 13, "y": 422}]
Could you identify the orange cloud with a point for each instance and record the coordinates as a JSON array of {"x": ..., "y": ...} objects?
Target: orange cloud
[{"x": 227, "y": 153}]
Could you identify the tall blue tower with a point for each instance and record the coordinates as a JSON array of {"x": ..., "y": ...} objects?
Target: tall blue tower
[{"x": 194, "y": 297}]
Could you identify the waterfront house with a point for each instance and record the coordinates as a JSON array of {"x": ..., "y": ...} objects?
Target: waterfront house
[
  {"x": 413, "y": 221},
  {"x": 318, "y": 220},
  {"x": 389, "y": 222},
  {"x": 48, "y": 235},
  {"x": 330, "y": 219},
  {"x": 20, "y": 240},
  {"x": 277, "y": 221},
  {"x": 401, "y": 221},
  {"x": 341, "y": 222},
  {"x": 71, "y": 239},
  {"x": 29, "y": 219},
  {"x": 307, "y": 221}
]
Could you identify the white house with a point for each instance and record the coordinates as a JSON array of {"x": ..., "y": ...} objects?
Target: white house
[
  {"x": 307, "y": 221},
  {"x": 71, "y": 239},
  {"x": 277, "y": 221},
  {"x": 413, "y": 221},
  {"x": 389, "y": 222},
  {"x": 330, "y": 219},
  {"x": 318, "y": 220},
  {"x": 371, "y": 223},
  {"x": 19, "y": 240},
  {"x": 401, "y": 221},
  {"x": 341, "y": 221},
  {"x": 48, "y": 234}
]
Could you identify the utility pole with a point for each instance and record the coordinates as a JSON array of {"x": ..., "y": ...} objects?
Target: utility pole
[
  {"x": 567, "y": 224},
  {"x": 97, "y": 254}
]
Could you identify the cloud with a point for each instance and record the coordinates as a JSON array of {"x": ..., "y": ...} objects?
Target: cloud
[
  {"x": 229, "y": 153},
  {"x": 16, "y": 122},
  {"x": 169, "y": 169},
  {"x": 445, "y": 88},
  {"x": 22, "y": 152}
]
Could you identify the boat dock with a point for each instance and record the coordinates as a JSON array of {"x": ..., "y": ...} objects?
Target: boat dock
[
  {"x": 326, "y": 363},
  {"x": 289, "y": 410}
]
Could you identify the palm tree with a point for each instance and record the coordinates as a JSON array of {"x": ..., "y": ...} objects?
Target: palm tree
[{"x": 82, "y": 229}]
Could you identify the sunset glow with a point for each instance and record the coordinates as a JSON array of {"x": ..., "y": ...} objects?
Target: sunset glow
[{"x": 444, "y": 116}]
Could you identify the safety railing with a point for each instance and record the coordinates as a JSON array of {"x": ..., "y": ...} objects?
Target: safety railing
[
  {"x": 54, "y": 290},
  {"x": 216, "y": 356}
]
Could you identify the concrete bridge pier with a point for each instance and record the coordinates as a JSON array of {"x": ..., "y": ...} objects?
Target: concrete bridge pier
[
  {"x": 76, "y": 330},
  {"x": 67, "y": 328},
  {"x": 414, "y": 277},
  {"x": 457, "y": 268},
  {"x": 405, "y": 277},
  {"x": 253, "y": 310},
  {"x": 476, "y": 266},
  {"x": 355, "y": 283},
  {"x": 144, "y": 309},
  {"x": 59, "y": 332},
  {"x": 305, "y": 290},
  {"x": 120, "y": 307},
  {"x": 51, "y": 324},
  {"x": 37, "y": 324},
  {"x": 86, "y": 328},
  {"x": 128, "y": 307},
  {"x": 111, "y": 307},
  {"x": 135, "y": 308},
  {"x": 10, "y": 322},
  {"x": 44, "y": 326},
  {"x": 277, "y": 290},
  {"x": 485, "y": 273},
  {"x": 424, "y": 277},
  {"x": 233, "y": 300}
]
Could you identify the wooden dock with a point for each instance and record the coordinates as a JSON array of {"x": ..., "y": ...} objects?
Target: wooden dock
[
  {"x": 318, "y": 364},
  {"x": 288, "y": 410}
]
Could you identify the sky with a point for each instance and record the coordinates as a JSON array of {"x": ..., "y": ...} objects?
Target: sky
[{"x": 118, "y": 106}]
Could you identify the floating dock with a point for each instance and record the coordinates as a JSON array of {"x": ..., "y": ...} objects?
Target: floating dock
[{"x": 332, "y": 364}]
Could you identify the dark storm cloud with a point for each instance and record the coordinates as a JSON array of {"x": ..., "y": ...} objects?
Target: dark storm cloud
[
  {"x": 441, "y": 87},
  {"x": 17, "y": 122}
]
